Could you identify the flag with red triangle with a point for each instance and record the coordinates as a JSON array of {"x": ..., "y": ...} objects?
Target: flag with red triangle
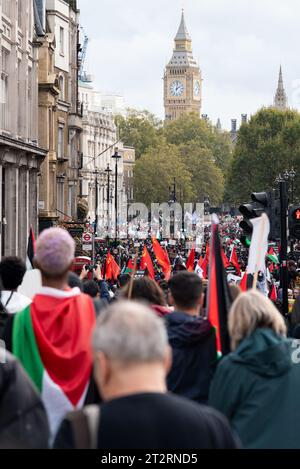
[
  {"x": 190, "y": 264},
  {"x": 219, "y": 298},
  {"x": 235, "y": 262},
  {"x": 30, "y": 249},
  {"x": 273, "y": 293}
]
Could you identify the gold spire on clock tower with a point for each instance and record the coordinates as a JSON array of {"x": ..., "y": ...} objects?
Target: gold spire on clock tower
[{"x": 182, "y": 78}]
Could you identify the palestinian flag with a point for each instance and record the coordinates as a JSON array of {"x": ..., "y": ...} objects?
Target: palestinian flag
[
  {"x": 226, "y": 262},
  {"x": 272, "y": 256},
  {"x": 146, "y": 263},
  {"x": 273, "y": 293},
  {"x": 203, "y": 265},
  {"x": 235, "y": 262},
  {"x": 162, "y": 258},
  {"x": 30, "y": 249},
  {"x": 246, "y": 282},
  {"x": 112, "y": 269},
  {"x": 191, "y": 261},
  {"x": 129, "y": 267},
  {"x": 52, "y": 338},
  {"x": 219, "y": 297}
]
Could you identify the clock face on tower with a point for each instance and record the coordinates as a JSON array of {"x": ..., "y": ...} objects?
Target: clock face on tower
[
  {"x": 177, "y": 88},
  {"x": 197, "y": 88}
]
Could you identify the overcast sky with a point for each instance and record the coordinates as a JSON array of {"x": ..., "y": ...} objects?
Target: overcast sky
[{"x": 239, "y": 45}]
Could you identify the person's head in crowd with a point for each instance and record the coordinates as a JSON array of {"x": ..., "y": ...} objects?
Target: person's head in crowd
[
  {"x": 91, "y": 288},
  {"x": 74, "y": 281},
  {"x": 251, "y": 311},
  {"x": 131, "y": 351},
  {"x": 186, "y": 293},
  {"x": 54, "y": 256},
  {"x": 145, "y": 289},
  {"x": 12, "y": 271},
  {"x": 123, "y": 279}
]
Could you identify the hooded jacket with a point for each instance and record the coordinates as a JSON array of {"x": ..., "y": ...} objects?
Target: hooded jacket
[
  {"x": 23, "y": 420},
  {"x": 193, "y": 343},
  {"x": 257, "y": 387}
]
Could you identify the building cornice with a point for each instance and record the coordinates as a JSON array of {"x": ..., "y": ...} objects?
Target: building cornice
[{"x": 22, "y": 146}]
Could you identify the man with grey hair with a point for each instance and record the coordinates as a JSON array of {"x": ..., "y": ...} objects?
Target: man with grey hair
[{"x": 132, "y": 358}]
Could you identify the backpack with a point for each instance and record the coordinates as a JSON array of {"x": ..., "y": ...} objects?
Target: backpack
[
  {"x": 3, "y": 321},
  {"x": 85, "y": 424}
]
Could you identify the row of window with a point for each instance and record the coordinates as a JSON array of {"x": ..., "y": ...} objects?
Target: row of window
[{"x": 24, "y": 92}]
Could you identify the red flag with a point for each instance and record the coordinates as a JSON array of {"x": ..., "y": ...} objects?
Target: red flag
[
  {"x": 162, "y": 258},
  {"x": 191, "y": 261},
  {"x": 273, "y": 294},
  {"x": 243, "y": 284},
  {"x": 146, "y": 263},
  {"x": 219, "y": 296},
  {"x": 225, "y": 259},
  {"x": 203, "y": 263},
  {"x": 235, "y": 262},
  {"x": 112, "y": 270}
]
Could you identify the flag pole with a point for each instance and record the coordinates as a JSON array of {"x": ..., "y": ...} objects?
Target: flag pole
[{"x": 133, "y": 274}]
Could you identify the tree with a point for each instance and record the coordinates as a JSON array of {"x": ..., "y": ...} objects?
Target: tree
[
  {"x": 206, "y": 177},
  {"x": 140, "y": 130},
  {"x": 191, "y": 128},
  {"x": 267, "y": 146},
  {"x": 154, "y": 175}
]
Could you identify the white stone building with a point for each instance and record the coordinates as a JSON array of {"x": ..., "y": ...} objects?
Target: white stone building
[
  {"x": 99, "y": 144},
  {"x": 20, "y": 155}
]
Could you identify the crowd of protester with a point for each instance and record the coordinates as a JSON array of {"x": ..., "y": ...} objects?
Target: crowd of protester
[{"x": 133, "y": 361}]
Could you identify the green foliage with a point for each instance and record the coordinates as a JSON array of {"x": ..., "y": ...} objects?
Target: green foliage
[
  {"x": 190, "y": 128},
  {"x": 154, "y": 175},
  {"x": 267, "y": 146},
  {"x": 189, "y": 149},
  {"x": 140, "y": 130}
]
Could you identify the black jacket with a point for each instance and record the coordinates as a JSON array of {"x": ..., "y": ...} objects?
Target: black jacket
[
  {"x": 23, "y": 419},
  {"x": 155, "y": 421},
  {"x": 193, "y": 342}
]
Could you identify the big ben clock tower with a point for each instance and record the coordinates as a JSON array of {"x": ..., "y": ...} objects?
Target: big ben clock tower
[{"x": 182, "y": 79}]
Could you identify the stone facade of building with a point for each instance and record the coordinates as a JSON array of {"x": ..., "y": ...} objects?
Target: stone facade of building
[
  {"x": 129, "y": 164},
  {"x": 182, "y": 78},
  {"x": 60, "y": 123},
  {"x": 21, "y": 154},
  {"x": 100, "y": 141}
]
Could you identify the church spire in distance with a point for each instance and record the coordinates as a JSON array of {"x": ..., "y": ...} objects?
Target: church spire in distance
[{"x": 280, "y": 100}]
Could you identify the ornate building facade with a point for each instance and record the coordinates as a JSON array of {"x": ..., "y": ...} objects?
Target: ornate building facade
[
  {"x": 21, "y": 154},
  {"x": 97, "y": 175},
  {"x": 182, "y": 78},
  {"x": 60, "y": 113}
]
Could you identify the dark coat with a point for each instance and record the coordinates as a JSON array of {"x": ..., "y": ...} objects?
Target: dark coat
[
  {"x": 193, "y": 342},
  {"x": 257, "y": 387},
  {"x": 23, "y": 419}
]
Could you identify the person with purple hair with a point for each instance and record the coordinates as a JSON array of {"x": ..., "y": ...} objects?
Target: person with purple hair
[{"x": 52, "y": 336}]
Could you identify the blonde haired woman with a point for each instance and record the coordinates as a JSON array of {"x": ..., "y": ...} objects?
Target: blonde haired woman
[{"x": 257, "y": 386}]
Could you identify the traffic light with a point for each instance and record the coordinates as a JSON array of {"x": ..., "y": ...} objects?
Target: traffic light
[
  {"x": 294, "y": 221},
  {"x": 262, "y": 202}
]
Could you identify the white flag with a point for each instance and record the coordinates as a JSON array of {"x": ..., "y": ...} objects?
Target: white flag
[{"x": 259, "y": 244}]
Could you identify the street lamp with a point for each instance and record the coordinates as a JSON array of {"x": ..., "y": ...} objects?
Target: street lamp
[
  {"x": 117, "y": 157},
  {"x": 108, "y": 171}
]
